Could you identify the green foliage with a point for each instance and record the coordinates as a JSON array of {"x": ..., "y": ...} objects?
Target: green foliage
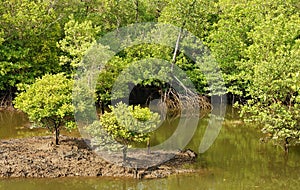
[
  {"x": 132, "y": 57},
  {"x": 232, "y": 36},
  {"x": 28, "y": 34},
  {"x": 280, "y": 123},
  {"x": 79, "y": 37},
  {"x": 115, "y": 13},
  {"x": 197, "y": 16},
  {"x": 125, "y": 59},
  {"x": 255, "y": 43},
  {"x": 107, "y": 78},
  {"x": 188, "y": 14},
  {"x": 48, "y": 103},
  {"x": 124, "y": 124},
  {"x": 272, "y": 65}
]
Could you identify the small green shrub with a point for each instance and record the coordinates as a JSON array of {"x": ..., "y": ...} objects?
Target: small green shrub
[
  {"x": 48, "y": 103},
  {"x": 122, "y": 126}
]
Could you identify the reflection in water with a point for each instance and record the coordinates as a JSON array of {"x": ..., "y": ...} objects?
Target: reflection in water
[
  {"x": 236, "y": 160},
  {"x": 14, "y": 124}
]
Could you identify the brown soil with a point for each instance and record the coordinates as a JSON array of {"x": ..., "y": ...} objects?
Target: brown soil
[{"x": 38, "y": 157}]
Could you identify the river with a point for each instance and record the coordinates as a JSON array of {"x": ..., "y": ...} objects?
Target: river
[{"x": 236, "y": 160}]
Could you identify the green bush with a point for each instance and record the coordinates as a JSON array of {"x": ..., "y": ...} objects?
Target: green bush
[
  {"x": 48, "y": 103},
  {"x": 125, "y": 125}
]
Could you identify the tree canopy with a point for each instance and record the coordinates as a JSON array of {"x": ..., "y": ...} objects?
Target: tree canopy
[
  {"x": 122, "y": 126},
  {"x": 48, "y": 103}
]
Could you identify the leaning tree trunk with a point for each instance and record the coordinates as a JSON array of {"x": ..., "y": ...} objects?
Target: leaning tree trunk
[
  {"x": 188, "y": 98},
  {"x": 180, "y": 36}
]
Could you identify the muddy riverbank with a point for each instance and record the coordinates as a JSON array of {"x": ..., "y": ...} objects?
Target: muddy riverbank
[{"x": 39, "y": 157}]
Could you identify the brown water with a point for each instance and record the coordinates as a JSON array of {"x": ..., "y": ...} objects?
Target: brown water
[
  {"x": 15, "y": 124},
  {"x": 237, "y": 160}
]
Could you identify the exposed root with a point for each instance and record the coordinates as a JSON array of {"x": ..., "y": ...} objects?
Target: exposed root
[
  {"x": 6, "y": 100},
  {"x": 190, "y": 103}
]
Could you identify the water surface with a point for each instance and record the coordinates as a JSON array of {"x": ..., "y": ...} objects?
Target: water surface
[{"x": 236, "y": 160}]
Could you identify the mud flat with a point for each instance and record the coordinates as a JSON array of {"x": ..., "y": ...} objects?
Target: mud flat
[{"x": 39, "y": 157}]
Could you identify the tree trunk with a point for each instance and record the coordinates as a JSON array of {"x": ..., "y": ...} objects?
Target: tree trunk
[
  {"x": 124, "y": 153},
  {"x": 101, "y": 104},
  {"x": 56, "y": 135},
  {"x": 148, "y": 147},
  {"x": 176, "y": 48},
  {"x": 286, "y": 145},
  {"x": 180, "y": 35},
  {"x": 136, "y": 11}
]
